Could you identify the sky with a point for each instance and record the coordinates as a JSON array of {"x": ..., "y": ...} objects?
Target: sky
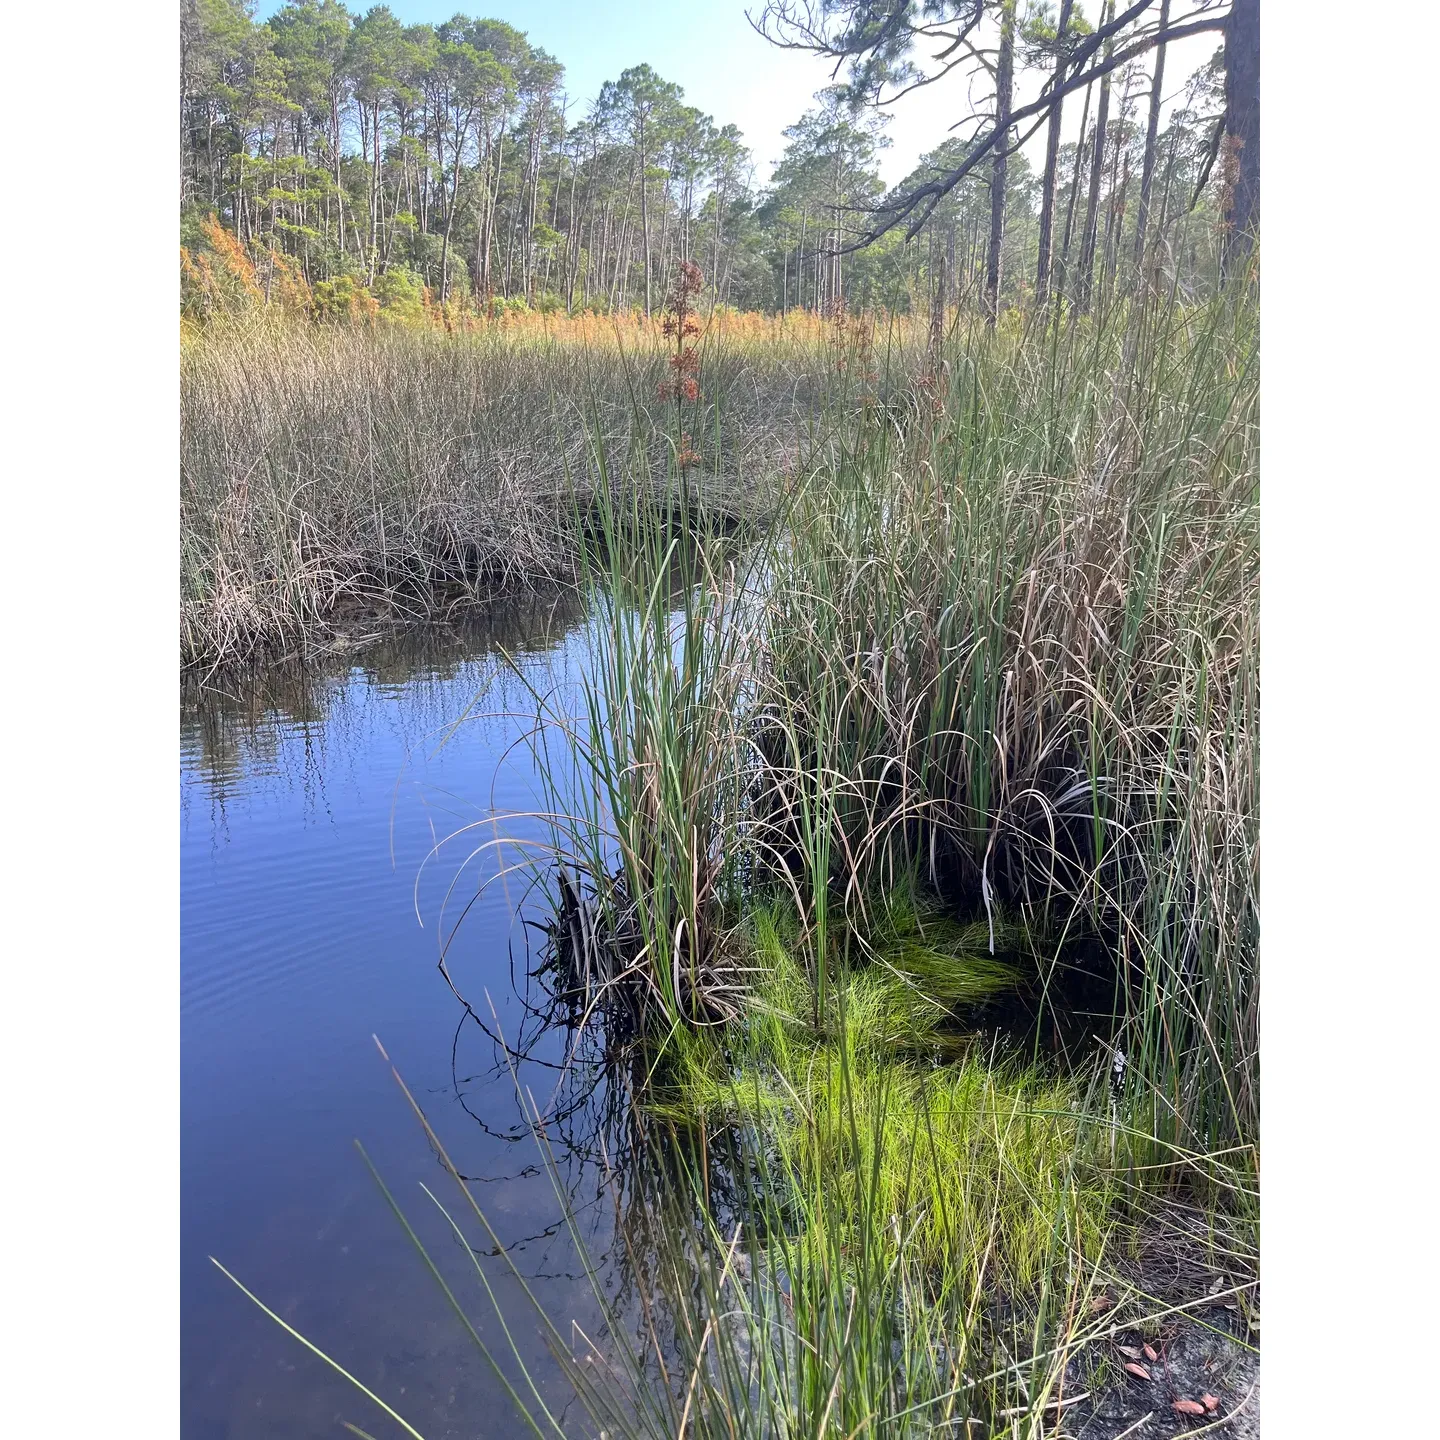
[{"x": 734, "y": 75}]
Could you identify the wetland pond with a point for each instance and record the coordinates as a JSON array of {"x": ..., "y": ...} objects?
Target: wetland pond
[
  {"x": 310, "y": 801},
  {"x": 340, "y": 826}
]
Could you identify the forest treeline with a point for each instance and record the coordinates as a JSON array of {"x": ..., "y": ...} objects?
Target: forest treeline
[{"x": 365, "y": 164}]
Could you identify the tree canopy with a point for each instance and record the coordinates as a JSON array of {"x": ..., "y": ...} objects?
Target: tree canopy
[{"x": 330, "y": 145}]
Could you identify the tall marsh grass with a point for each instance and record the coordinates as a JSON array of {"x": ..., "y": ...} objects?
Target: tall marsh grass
[
  {"x": 1001, "y": 644},
  {"x": 995, "y": 656},
  {"x": 1021, "y": 633},
  {"x": 326, "y": 465},
  {"x": 1008, "y": 640}
]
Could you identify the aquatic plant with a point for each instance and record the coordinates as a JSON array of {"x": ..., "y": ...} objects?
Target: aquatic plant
[
  {"x": 964, "y": 1153},
  {"x": 803, "y": 1309},
  {"x": 1022, "y": 635}
]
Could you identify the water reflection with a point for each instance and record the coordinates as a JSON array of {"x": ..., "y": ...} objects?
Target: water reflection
[
  {"x": 234, "y": 725},
  {"x": 311, "y": 797}
]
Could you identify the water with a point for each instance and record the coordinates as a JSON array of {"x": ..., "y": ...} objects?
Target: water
[{"x": 309, "y": 804}]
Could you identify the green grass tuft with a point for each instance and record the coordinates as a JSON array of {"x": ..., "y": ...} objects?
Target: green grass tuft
[{"x": 969, "y": 1161}]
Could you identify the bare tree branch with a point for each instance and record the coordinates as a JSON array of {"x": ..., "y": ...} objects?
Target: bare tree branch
[{"x": 924, "y": 198}]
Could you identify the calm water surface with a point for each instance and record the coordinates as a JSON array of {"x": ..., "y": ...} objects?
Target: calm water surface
[{"x": 309, "y": 804}]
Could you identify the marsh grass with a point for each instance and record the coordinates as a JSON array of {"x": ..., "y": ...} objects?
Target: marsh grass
[
  {"x": 982, "y": 693},
  {"x": 642, "y": 790},
  {"x": 1024, "y": 632},
  {"x": 970, "y": 1156},
  {"x": 1005, "y": 642},
  {"x": 326, "y": 466}
]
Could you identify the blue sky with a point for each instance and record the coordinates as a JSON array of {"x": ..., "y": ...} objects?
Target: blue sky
[
  {"x": 709, "y": 49},
  {"x": 705, "y": 46}
]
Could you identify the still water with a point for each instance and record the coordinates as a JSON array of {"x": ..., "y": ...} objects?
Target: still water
[{"x": 312, "y": 922}]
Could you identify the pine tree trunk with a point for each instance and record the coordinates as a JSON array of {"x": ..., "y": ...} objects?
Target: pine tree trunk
[
  {"x": 450, "y": 214},
  {"x": 1086, "y": 282},
  {"x": 1164, "y": 218},
  {"x": 719, "y": 197},
  {"x": 800, "y": 262},
  {"x": 1242, "y": 130},
  {"x": 1052, "y": 157},
  {"x": 1152, "y": 132},
  {"x": 665, "y": 234},
  {"x": 1004, "y": 81},
  {"x": 489, "y": 203},
  {"x": 376, "y": 204},
  {"x": 572, "y": 267},
  {"x": 339, "y": 188},
  {"x": 1063, "y": 264},
  {"x": 1114, "y": 231},
  {"x": 645, "y": 216}
]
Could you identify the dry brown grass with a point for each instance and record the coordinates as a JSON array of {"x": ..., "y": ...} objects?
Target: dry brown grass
[{"x": 395, "y": 466}]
